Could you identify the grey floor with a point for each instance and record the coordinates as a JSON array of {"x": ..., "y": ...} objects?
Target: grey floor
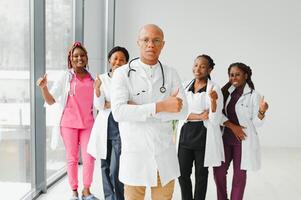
[{"x": 279, "y": 179}]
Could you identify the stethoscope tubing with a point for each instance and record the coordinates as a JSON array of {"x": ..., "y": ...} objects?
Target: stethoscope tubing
[{"x": 162, "y": 88}]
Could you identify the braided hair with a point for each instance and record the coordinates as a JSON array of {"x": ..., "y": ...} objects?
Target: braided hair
[
  {"x": 247, "y": 70},
  {"x": 210, "y": 62},
  {"x": 71, "y": 50}
]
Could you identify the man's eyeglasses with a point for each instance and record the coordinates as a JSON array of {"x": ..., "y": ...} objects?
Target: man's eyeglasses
[{"x": 146, "y": 41}]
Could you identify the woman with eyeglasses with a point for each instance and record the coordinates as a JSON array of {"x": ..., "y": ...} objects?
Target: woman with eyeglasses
[
  {"x": 200, "y": 138},
  {"x": 105, "y": 142},
  {"x": 244, "y": 110},
  {"x": 73, "y": 92}
]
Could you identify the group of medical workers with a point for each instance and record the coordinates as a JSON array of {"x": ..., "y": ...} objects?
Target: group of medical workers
[{"x": 132, "y": 133}]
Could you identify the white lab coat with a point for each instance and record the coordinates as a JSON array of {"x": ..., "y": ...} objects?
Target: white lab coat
[
  {"x": 214, "y": 151},
  {"x": 146, "y": 138},
  {"x": 97, "y": 146},
  {"x": 59, "y": 92},
  {"x": 246, "y": 109}
]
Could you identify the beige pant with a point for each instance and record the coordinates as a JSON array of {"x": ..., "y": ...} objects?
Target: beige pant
[{"x": 158, "y": 192}]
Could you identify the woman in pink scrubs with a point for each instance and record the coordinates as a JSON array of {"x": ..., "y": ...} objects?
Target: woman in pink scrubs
[{"x": 74, "y": 93}]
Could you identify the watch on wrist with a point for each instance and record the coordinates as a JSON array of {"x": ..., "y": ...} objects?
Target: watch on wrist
[{"x": 261, "y": 112}]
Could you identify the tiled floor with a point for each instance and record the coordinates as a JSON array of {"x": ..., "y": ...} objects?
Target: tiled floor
[{"x": 278, "y": 179}]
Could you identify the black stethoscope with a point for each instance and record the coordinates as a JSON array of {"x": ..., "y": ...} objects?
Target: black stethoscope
[{"x": 162, "y": 88}]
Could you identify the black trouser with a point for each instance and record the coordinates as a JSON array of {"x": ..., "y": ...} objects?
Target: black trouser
[
  {"x": 186, "y": 158},
  {"x": 112, "y": 187}
]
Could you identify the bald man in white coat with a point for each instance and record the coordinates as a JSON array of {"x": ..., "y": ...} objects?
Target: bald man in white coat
[{"x": 146, "y": 97}]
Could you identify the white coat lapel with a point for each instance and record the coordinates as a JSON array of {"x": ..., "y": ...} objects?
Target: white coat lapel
[
  {"x": 230, "y": 90},
  {"x": 247, "y": 90},
  {"x": 208, "y": 88}
]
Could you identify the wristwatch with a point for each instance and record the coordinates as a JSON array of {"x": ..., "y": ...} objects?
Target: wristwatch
[{"x": 261, "y": 112}]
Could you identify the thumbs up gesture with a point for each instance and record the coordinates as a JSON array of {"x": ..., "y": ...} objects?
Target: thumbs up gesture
[
  {"x": 174, "y": 103},
  {"x": 263, "y": 105},
  {"x": 175, "y": 93},
  {"x": 213, "y": 94},
  {"x": 171, "y": 104},
  {"x": 97, "y": 82},
  {"x": 42, "y": 81},
  {"x": 213, "y": 97}
]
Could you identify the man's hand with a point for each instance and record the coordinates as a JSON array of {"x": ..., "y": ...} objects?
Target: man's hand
[{"x": 172, "y": 104}]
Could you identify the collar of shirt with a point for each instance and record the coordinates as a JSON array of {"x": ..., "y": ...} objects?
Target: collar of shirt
[
  {"x": 191, "y": 88},
  {"x": 74, "y": 75},
  {"x": 246, "y": 89},
  {"x": 237, "y": 92},
  {"x": 149, "y": 69}
]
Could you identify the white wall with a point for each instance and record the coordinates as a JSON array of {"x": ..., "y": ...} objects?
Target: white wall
[{"x": 262, "y": 34}]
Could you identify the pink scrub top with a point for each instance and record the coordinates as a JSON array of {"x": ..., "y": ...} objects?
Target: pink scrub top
[{"x": 78, "y": 112}]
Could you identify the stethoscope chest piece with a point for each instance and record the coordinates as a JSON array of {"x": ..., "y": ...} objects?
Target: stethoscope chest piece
[{"x": 162, "y": 89}]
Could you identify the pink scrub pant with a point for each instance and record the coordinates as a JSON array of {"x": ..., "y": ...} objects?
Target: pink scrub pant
[{"x": 73, "y": 138}]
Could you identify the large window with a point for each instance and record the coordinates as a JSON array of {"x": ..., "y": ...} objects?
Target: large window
[
  {"x": 59, "y": 36},
  {"x": 22, "y": 56},
  {"x": 15, "y": 53},
  {"x": 15, "y": 141}
]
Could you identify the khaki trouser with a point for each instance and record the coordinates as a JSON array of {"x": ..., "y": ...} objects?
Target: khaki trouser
[{"x": 157, "y": 193}]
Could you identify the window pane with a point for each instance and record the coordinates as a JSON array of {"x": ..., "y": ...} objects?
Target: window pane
[
  {"x": 15, "y": 141},
  {"x": 59, "y": 32}
]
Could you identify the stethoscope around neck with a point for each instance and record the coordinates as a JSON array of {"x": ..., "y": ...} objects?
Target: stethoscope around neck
[
  {"x": 162, "y": 88},
  {"x": 71, "y": 74}
]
